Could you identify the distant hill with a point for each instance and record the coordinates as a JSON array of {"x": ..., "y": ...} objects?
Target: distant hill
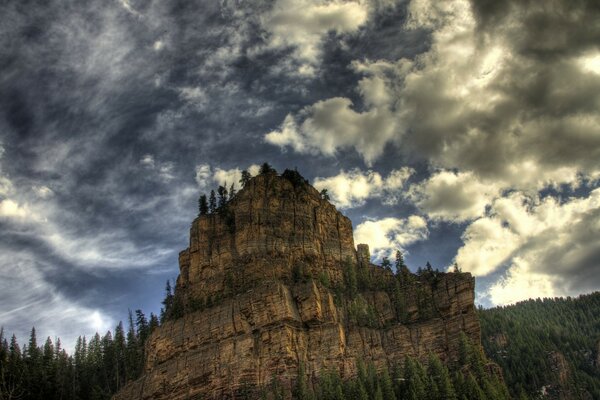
[{"x": 547, "y": 348}]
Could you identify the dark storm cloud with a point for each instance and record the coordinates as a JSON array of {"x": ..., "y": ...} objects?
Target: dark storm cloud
[{"x": 551, "y": 29}]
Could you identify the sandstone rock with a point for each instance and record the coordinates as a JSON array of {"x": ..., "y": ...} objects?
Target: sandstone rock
[{"x": 260, "y": 284}]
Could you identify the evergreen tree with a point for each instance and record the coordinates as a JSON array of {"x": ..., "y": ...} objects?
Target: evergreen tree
[
  {"x": 266, "y": 169},
  {"x": 387, "y": 387},
  {"x": 120, "y": 346},
  {"x": 245, "y": 178},
  {"x": 154, "y": 322},
  {"x": 212, "y": 202},
  {"x": 132, "y": 356},
  {"x": 455, "y": 268},
  {"x": 168, "y": 301},
  {"x": 232, "y": 192},
  {"x": 222, "y": 196},
  {"x": 301, "y": 391},
  {"x": 350, "y": 278},
  {"x": 441, "y": 379},
  {"x": 202, "y": 205},
  {"x": 12, "y": 374},
  {"x": 143, "y": 329},
  {"x": 386, "y": 264},
  {"x": 325, "y": 195}
]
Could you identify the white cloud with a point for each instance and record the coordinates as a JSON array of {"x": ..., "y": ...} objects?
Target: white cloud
[
  {"x": 487, "y": 245},
  {"x": 472, "y": 102},
  {"x": 302, "y": 25},
  {"x": 206, "y": 176},
  {"x": 352, "y": 188},
  {"x": 550, "y": 246},
  {"x": 43, "y": 192},
  {"x": 387, "y": 235},
  {"x": 194, "y": 95},
  {"x": 521, "y": 283},
  {"x": 163, "y": 169},
  {"x": 158, "y": 45},
  {"x": 452, "y": 196},
  {"x": 332, "y": 124},
  {"x": 147, "y": 160},
  {"x": 12, "y": 209},
  {"x": 203, "y": 175}
]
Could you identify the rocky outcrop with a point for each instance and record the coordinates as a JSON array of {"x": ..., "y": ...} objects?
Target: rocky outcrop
[{"x": 264, "y": 288}]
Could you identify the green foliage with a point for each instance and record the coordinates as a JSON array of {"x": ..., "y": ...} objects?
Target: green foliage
[
  {"x": 325, "y": 195},
  {"x": 245, "y": 178},
  {"x": 202, "y": 205},
  {"x": 173, "y": 306},
  {"x": 212, "y": 202},
  {"x": 266, "y": 169},
  {"x": 350, "y": 279},
  {"x": 521, "y": 339},
  {"x": 301, "y": 390},
  {"x": 221, "y": 197},
  {"x": 386, "y": 264},
  {"x": 295, "y": 178},
  {"x": 324, "y": 278},
  {"x": 361, "y": 313},
  {"x": 97, "y": 368}
]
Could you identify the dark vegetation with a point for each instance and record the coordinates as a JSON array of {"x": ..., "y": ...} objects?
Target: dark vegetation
[
  {"x": 407, "y": 380},
  {"x": 98, "y": 367},
  {"x": 526, "y": 338}
]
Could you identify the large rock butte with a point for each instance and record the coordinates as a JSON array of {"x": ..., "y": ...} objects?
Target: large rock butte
[{"x": 262, "y": 290}]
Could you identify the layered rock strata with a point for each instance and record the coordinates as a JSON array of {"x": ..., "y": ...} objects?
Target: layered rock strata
[{"x": 263, "y": 286}]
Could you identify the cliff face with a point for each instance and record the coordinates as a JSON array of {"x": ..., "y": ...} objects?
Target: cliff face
[{"x": 263, "y": 286}]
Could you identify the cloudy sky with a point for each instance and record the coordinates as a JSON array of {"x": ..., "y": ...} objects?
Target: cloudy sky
[{"x": 455, "y": 131}]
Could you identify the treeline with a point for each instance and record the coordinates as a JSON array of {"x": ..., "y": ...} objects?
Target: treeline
[
  {"x": 530, "y": 340},
  {"x": 98, "y": 367}
]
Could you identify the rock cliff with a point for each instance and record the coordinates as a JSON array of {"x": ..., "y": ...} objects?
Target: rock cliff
[{"x": 273, "y": 280}]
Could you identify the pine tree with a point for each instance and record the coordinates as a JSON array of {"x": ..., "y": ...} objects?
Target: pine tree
[
  {"x": 386, "y": 264},
  {"x": 132, "y": 357},
  {"x": 300, "y": 391},
  {"x": 325, "y": 195},
  {"x": 350, "y": 278},
  {"x": 222, "y": 196},
  {"x": 143, "y": 329},
  {"x": 387, "y": 387},
  {"x": 202, "y": 205},
  {"x": 245, "y": 178},
  {"x": 154, "y": 322},
  {"x": 212, "y": 202},
  {"x": 441, "y": 378},
  {"x": 167, "y": 310},
  {"x": 12, "y": 377},
  {"x": 232, "y": 191},
  {"x": 120, "y": 346},
  {"x": 266, "y": 169},
  {"x": 33, "y": 364}
]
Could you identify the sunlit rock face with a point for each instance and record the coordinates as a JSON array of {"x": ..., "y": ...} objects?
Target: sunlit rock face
[{"x": 263, "y": 288}]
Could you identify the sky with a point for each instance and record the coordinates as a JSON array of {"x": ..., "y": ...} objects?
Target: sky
[{"x": 456, "y": 131}]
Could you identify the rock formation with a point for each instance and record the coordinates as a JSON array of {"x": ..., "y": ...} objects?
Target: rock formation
[{"x": 273, "y": 280}]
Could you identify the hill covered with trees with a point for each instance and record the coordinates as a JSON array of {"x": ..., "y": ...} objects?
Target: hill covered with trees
[{"x": 547, "y": 347}]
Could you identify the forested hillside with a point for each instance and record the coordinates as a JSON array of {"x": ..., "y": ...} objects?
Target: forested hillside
[{"x": 548, "y": 346}]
